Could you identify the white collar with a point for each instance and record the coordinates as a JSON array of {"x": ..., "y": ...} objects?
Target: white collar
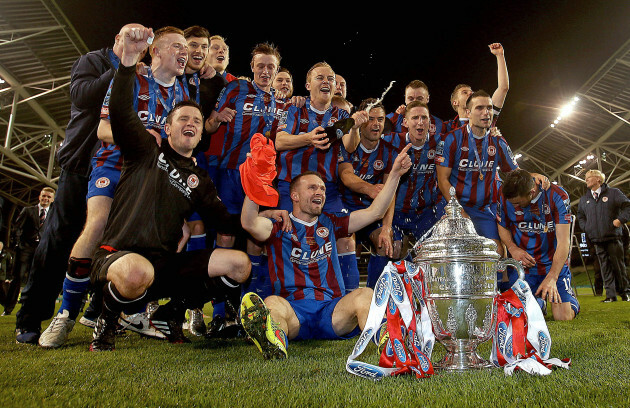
[
  {"x": 366, "y": 149},
  {"x": 536, "y": 198},
  {"x": 407, "y": 141},
  {"x": 474, "y": 135},
  {"x": 308, "y": 224}
]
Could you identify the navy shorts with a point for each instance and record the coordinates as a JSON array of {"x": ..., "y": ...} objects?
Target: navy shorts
[
  {"x": 230, "y": 190},
  {"x": 416, "y": 224},
  {"x": 484, "y": 220},
  {"x": 315, "y": 318},
  {"x": 103, "y": 181}
]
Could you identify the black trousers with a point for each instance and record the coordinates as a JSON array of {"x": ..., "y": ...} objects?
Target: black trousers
[
  {"x": 24, "y": 258},
  {"x": 64, "y": 224},
  {"x": 613, "y": 268}
]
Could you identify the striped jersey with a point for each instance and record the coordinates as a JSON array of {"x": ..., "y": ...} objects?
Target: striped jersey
[
  {"x": 418, "y": 188},
  {"x": 153, "y": 101},
  {"x": 474, "y": 162},
  {"x": 370, "y": 166},
  {"x": 257, "y": 111},
  {"x": 216, "y": 141},
  {"x": 303, "y": 263},
  {"x": 293, "y": 162},
  {"x": 533, "y": 228}
]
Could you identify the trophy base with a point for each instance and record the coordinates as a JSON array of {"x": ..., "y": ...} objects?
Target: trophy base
[{"x": 462, "y": 361}]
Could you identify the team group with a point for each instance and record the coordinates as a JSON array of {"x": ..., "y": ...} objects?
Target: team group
[{"x": 210, "y": 188}]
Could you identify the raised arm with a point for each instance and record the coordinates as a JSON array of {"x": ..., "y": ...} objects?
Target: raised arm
[
  {"x": 351, "y": 139},
  {"x": 127, "y": 129},
  {"x": 503, "y": 81},
  {"x": 104, "y": 131},
  {"x": 376, "y": 211},
  {"x": 259, "y": 227}
]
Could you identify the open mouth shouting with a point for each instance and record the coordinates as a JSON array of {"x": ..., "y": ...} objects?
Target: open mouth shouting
[
  {"x": 181, "y": 62},
  {"x": 318, "y": 201},
  {"x": 197, "y": 59},
  {"x": 189, "y": 132}
]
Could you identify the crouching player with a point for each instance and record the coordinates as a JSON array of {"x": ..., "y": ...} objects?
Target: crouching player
[
  {"x": 160, "y": 187},
  {"x": 534, "y": 225},
  {"x": 308, "y": 300}
]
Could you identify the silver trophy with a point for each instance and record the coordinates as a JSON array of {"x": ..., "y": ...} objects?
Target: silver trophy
[{"x": 460, "y": 275}]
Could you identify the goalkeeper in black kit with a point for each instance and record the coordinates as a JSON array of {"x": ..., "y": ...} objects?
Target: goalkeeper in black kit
[{"x": 160, "y": 187}]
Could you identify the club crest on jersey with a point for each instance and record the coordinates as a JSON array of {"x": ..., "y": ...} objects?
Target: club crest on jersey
[
  {"x": 378, "y": 165},
  {"x": 431, "y": 154},
  {"x": 546, "y": 209},
  {"x": 193, "y": 181},
  {"x": 492, "y": 150},
  {"x": 102, "y": 182},
  {"x": 322, "y": 232}
]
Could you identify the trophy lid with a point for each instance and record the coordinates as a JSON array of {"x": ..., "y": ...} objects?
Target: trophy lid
[{"x": 454, "y": 237}]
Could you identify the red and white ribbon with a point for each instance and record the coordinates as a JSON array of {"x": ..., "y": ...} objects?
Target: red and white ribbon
[
  {"x": 411, "y": 340},
  {"x": 521, "y": 339}
]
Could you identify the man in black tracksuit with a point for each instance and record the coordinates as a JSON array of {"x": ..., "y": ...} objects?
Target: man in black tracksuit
[
  {"x": 90, "y": 78},
  {"x": 602, "y": 211}
]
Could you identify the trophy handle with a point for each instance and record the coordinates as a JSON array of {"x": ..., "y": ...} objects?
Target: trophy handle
[{"x": 504, "y": 263}]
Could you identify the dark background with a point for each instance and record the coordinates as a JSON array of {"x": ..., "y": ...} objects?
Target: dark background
[{"x": 552, "y": 47}]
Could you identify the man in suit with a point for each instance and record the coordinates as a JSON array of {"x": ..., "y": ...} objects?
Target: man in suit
[
  {"x": 602, "y": 213},
  {"x": 28, "y": 226}
]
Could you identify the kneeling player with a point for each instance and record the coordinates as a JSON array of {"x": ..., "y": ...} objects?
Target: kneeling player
[
  {"x": 159, "y": 187},
  {"x": 308, "y": 300},
  {"x": 534, "y": 225}
]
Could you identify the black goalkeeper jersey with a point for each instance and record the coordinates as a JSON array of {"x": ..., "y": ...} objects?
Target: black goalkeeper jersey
[{"x": 158, "y": 187}]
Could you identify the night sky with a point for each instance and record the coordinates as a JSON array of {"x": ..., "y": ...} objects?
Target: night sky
[{"x": 552, "y": 47}]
